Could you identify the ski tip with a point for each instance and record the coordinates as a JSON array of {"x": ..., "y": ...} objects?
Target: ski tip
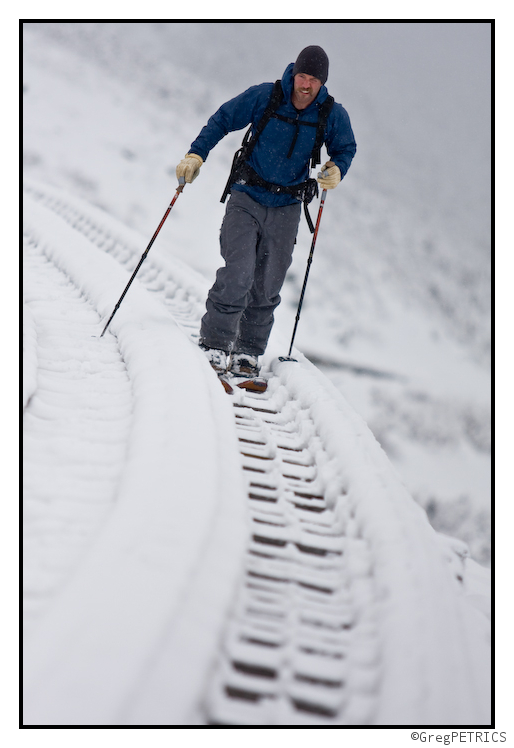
[
  {"x": 254, "y": 385},
  {"x": 226, "y": 386}
]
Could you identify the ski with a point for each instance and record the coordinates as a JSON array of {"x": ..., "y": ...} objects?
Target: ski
[
  {"x": 258, "y": 384},
  {"x": 226, "y": 384}
]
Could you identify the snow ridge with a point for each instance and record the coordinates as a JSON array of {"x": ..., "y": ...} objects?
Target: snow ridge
[
  {"x": 349, "y": 608},
  {"x": 29, "y": 354},
  {"x": 75, "y": 429},
  {"x": 170, "y": 522}
]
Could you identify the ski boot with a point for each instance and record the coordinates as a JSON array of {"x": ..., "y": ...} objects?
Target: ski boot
[{"x": 245, "y": 369}]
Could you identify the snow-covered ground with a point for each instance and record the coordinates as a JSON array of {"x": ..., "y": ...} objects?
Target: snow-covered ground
[{"x": 343, "y": 606}]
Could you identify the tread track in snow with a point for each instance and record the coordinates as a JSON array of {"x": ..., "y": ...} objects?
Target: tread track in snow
[
  {"x": 305, "y": 606},
  {"x": 73, "y": 427},
  {"x": 303, "y": 645}
]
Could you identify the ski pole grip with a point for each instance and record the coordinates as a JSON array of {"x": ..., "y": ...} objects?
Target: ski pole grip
[{"x": 328, "y": 165}]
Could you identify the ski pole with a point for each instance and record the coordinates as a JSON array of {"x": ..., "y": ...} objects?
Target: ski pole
[
  {"x": 182, "y": 183},
  {"x": 309, "y": 262}
]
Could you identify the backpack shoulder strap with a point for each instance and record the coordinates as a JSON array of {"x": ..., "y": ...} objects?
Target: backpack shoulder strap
[
  {"x": 273, "y": 104},
  {"x": 249, "y": 140},
  {"x": 323, "y": 114}
]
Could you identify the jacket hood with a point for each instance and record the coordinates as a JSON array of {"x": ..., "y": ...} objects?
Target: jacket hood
[{"x": 287, "y": 87}]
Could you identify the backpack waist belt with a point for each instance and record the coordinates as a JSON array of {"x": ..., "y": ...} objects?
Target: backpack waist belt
[{"x": 304, "y": 192}]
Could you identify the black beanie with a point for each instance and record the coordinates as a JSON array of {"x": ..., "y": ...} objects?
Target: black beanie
[{"x": 312, "y": 61}]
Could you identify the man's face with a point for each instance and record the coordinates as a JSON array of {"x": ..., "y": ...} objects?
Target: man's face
[{"x": 305, "y": 90}]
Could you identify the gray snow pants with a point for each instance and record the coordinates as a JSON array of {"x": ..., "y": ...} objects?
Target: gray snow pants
[{"x": 257, "y": 245}]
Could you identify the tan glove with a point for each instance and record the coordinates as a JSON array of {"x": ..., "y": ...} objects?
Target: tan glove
[
  {"x": 189, "y": 167},
  {"x": 330, "y": 176}
]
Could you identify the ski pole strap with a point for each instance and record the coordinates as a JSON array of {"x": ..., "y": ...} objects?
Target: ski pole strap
[{"x": 308, "y": 218}]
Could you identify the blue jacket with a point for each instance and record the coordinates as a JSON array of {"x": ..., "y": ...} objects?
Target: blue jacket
[{"x": 269, "y": 157}]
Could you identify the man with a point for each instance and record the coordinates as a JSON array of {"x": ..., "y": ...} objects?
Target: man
[{"x": 267, "y": 187}]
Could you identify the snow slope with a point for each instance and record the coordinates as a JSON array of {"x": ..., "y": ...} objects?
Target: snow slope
[
  {"x": 198, "y": 560},
  {"x": 381, "y": 622},
  {"x": 397, "y": 312},
  {"x": 142, "y": 562}
]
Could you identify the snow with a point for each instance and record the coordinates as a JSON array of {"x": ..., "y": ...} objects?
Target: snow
[
  {"x": 143, "y": 548},
  {"x": 137, "y": 529}
]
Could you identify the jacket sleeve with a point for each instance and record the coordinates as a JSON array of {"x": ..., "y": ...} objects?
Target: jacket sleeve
[
  {"x": 233, "y": 115},
  {"x": 340, "y": 140}
]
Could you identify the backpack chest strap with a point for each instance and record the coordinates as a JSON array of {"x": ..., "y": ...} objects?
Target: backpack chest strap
[{"x": 296, "y": 124}]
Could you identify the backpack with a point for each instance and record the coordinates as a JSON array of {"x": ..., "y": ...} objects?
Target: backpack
[{"x": 243, "y": 173}]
